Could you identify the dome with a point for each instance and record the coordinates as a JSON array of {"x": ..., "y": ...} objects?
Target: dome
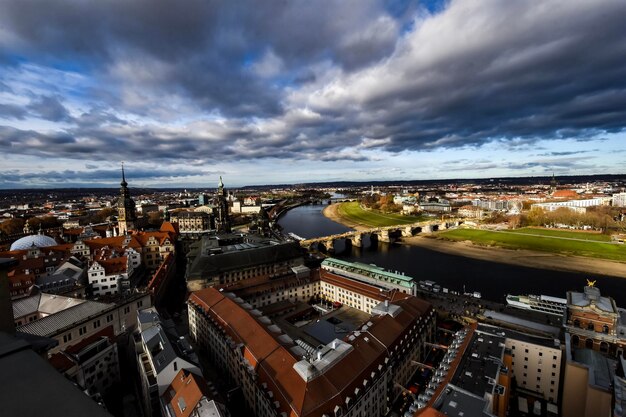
[{"x": 41, "y": 241}]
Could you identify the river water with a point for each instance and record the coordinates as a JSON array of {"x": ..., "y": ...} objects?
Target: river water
[{"x": 492, "y": 279}]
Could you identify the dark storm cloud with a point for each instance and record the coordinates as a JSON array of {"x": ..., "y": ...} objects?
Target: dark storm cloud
[
  {"x": 11, "y": 111},
  {"x": 202, "y": 49},
  {"x": 98, "y": 175},
  {"x": 226, "y": 81},
  {"x": 49, "y": 108}
]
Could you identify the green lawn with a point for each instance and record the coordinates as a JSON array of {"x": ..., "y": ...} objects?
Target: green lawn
[
  {"x": 563, "y": 233},
  {"x": 547, "y": 244},
  {"x": 353, "y": 212}
]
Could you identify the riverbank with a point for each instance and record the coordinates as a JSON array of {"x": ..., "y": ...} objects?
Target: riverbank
[
  {"x": 331, "y": 212},
  {"x": 521, "y": 257},
  {"x": 518, "y": 257}
]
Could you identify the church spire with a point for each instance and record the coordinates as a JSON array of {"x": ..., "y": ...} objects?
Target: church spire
[{"x": 123, "y": 183}]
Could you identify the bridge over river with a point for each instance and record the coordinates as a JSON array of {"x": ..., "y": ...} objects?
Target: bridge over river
[{"x": 380, "y": 234}]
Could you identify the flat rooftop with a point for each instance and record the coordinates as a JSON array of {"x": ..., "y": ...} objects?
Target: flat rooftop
[
  {"x": 601, "y": 369},
  {"x": 454, "y": 402},
  {"x": 518, "y": 335},
  {"x": 480, "y": 364},
  {"x": 320, "y": 330}
]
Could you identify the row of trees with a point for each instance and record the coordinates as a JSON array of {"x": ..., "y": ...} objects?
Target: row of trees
[
  {"x": 14, "y": 226},
  {"x": 599, "y": 218},
  {"x": 383, "y": 203}
]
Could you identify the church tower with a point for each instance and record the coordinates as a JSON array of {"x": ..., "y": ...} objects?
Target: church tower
[
  {"x": 222, "y": 219},
  {"x": 125, "y": 208},
  {"x": 553, "y": 184}
]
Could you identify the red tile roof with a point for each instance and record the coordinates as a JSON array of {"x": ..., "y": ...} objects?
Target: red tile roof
[
  {"x": 274, "y": 363},
  {"x": 188, "y": 387}
]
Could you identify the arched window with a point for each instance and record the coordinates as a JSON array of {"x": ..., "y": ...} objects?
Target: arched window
[
  {"x": 604, "y": 347},
  {"x": 590, "y": 326},
  {"x": 589, "y": 343},
  {"x": 605, "y": 329},
  {"x": 575, "y": 341},
  {"x": 576, "y": 323}
]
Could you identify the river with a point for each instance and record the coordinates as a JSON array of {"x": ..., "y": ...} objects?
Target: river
[{"x": 493, "y": 280}]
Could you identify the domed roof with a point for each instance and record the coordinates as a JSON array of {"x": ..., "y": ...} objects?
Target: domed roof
[{"x": 27, "y": 242}]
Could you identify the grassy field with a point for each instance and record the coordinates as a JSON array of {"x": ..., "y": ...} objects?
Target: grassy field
[
  {"x": 353, "y": 212},
  {"x": 553, "y": 244},
  {"x": 598, "y": 237}
]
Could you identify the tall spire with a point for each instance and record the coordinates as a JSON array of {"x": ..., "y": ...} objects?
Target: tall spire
[{"x": 123, "y": 183}]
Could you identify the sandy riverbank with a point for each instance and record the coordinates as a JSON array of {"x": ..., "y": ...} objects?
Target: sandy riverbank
[
  {"x": 520, "y": 257},
  {"x": 331, "y": 213}
]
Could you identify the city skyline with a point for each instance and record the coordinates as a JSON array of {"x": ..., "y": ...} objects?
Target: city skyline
[{"x": 354, "y": 91}]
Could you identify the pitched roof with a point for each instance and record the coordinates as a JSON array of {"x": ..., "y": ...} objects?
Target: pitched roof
[
  {"x": 274, "y": 362},
  {"x": 114, "y": 265},
  {"x": 184, "y": 393},
  {"x": 52, "y": 324}
]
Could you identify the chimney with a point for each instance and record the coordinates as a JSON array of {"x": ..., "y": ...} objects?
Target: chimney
[
  {"x": 386, "y": 305},
  {"x": 319, "y": 355}
]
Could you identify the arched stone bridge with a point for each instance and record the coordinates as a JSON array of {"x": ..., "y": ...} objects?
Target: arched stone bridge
[{"x": 382, "y": 234}]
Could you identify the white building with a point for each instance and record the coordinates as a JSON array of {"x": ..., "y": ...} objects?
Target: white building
[
  {"x": 85, "y": 318},
  {"x": 619, "y": 200},
  {"x": 105, "y": 276},
  {"x": 578, "y": 206}
]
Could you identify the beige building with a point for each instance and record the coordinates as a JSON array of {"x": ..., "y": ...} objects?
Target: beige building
[
  {"x": 535, "y": 361},
  {"x": 587, "y": 384},
  {"x": 192, "y": 222},
  {"x": 86, "y": 318}
]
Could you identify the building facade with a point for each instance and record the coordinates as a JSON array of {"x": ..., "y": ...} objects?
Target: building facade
[{"x": 352, "y": 377}]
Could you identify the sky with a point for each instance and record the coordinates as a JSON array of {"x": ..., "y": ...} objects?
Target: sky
[{"x": 304, "y": 91}]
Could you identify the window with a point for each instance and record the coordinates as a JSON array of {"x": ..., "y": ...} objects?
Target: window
[
  {"x": 67, "y": 337},
  {"x": 82, "y": 330},
  {"x": 96, "y": 324},
  {"x": 109, "y": 318}
]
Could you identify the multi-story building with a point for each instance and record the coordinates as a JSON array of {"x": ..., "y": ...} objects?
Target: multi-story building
[
  {"x": 619, "y": 200},
  {"x": 214, "y": 261},
  {"x": 188, "y": 396},
  {"x": 535, "y": 361},
  {"x": 592, "y": 385},
  {"x": 351, "y": 377},
  {"x": 83, "y": 319},
  {"x": 480, "y": 383},
  {"x": 371, "y": 274},
  {"x": 595, "y": 322},
  {"x": 192, "y": 222},
  {"x": 67, "y": 278},
  {"x": 106, "y": 276},
  {"x": 157, "y": 359},
  {"x": 471, "y": 212},
  {"x": 578, "y": 206},
  {"x": 93, "y": 364}
]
